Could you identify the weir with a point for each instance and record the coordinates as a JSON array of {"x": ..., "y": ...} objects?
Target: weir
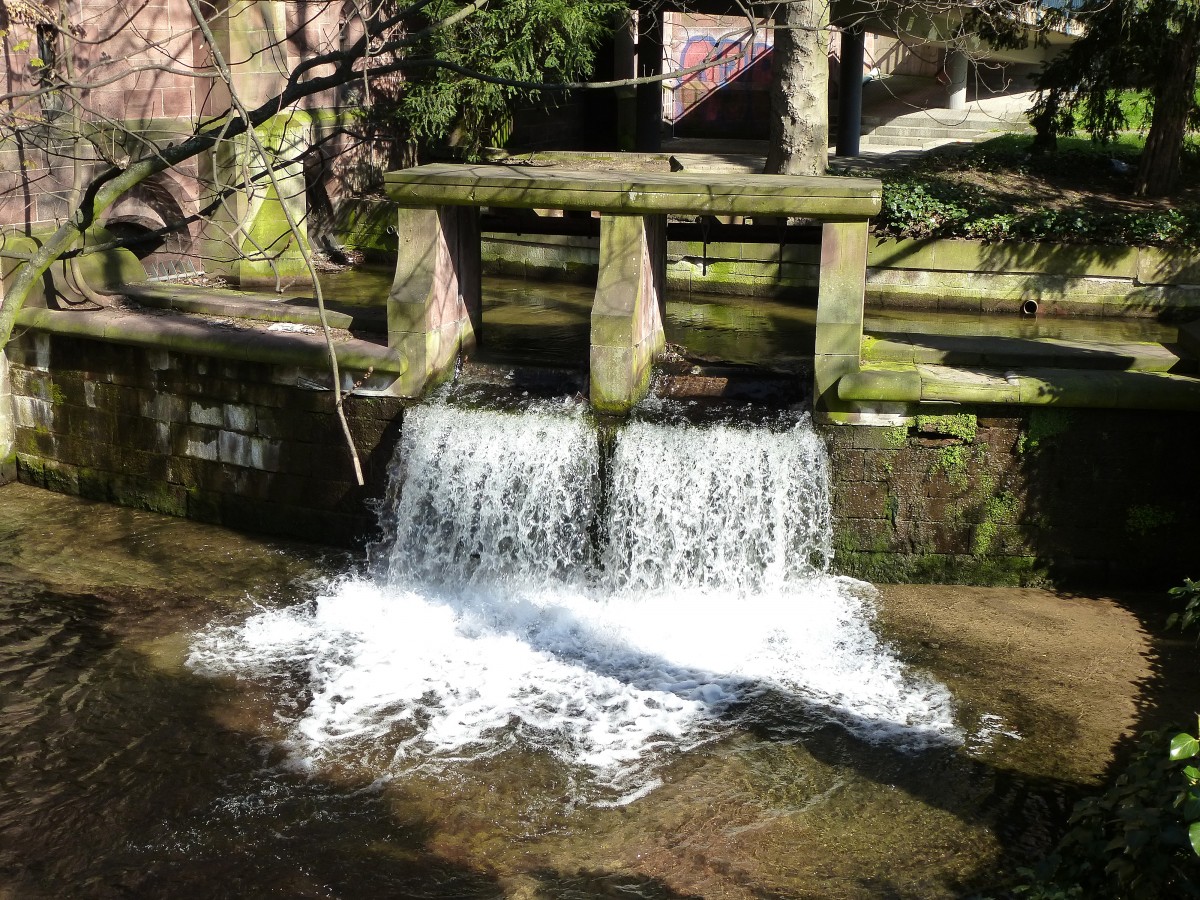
[
  {"x": 529, "y": 594},
  {"x": 434, "y": 306}
]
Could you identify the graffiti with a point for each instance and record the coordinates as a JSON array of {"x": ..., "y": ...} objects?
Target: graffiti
[{"x": 732, "y": 93}]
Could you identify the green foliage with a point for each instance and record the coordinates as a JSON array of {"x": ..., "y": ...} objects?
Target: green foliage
[
  {"x": 1044, "y": 426},
  {"x": 953, "y": 461},
  {"x": 1144, "y": 518},
  {"x": 532, "y": 41},
  {"x": 931, "y": 200},
  {"x": 1130, "y": 841},
  {"x": 924, "y": 205},
  {"x": 1185, "y": 748},
  {"x": 997, "y": 510},
  {"x": 963, "y": 426},
  {"x": 895, "y": 436},
  {"x": 1133, "y": 65},
  {"x": 1189, "y": 592}
]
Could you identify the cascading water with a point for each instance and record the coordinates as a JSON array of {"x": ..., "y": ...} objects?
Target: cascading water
[{"x": 528, "y": 596}]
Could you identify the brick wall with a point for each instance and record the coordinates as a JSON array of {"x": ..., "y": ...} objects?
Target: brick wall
[
  {"x": 1018, "y": 496},
  {"x": 245, "y": 445}
]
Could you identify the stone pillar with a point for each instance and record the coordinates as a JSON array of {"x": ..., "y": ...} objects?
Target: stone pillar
[
  {"x": 248, "y": 238},
  {"x": 957, "y": 66},
  {"x": 649, "y": 96},
  {"x": 850, "y": 85},
  {"x": 8, "y": 468},
  {"x": 627, "y": 315},
  {"x": 839, "y": 308},
  {"x": 435, "y": 305}
]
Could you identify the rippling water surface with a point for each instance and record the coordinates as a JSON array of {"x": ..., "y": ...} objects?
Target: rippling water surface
[{"x": 189, "y": 712}]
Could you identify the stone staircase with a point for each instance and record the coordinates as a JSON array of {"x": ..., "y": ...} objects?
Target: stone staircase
[{"x": 926, "y": 129}]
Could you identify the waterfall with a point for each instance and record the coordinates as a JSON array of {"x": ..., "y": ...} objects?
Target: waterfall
[{"x": 609, "y": 609}]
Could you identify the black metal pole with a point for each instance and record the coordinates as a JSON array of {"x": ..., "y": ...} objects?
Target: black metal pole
[{"x": 850, "y": 85}]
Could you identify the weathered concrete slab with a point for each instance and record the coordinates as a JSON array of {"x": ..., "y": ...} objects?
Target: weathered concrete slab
[
  {"x": 684, "y": 193},
  {"x": 1019, "y": 352},
  {"x": 1040, "y": 386},
  {"x": 185, "y": 334}
]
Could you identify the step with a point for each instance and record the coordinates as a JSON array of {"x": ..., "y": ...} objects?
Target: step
[
  {"x": 1003, "y": 352},
  {"x": 924, "y": 133}
]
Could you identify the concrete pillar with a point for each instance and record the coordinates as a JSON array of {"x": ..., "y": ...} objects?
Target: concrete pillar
[
  {"x": 625, "y": 66},
  {"x": 628, "y": 312},
  {"x": 8, "y": 468},
  {"x": 649, "y": 96},
  {"x": 957, "y": 66},
  {"x": 839, "y": 308},
  {"x": 435, "y": 304},
  {"x": 850, "y": 84},
  {"x": 248, "y": 238}
]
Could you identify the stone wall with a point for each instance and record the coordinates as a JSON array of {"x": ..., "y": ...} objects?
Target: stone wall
[
  {"x": 241, "y": 444},
  {"x": 1012, "y": 496},
  {"x": 997, "y": 496}
]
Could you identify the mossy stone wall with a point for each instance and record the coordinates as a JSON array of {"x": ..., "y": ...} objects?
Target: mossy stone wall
[
  {"x": 241, "y": 444},
  {"x": 997, "y": 496},
  {"x": 1019, "y": 496}
]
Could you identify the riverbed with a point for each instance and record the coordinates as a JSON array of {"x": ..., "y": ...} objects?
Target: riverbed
[{"x": 126, "y": 772}]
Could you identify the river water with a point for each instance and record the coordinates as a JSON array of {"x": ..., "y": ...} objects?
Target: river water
[{"x": 575, "y": 664}]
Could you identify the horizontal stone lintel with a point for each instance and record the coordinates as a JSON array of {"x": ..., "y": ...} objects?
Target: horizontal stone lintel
[
  {"x": 1028, "y": 387},
  {"x": 191, "y": 336},
  {"x": 526, "y": 187}
]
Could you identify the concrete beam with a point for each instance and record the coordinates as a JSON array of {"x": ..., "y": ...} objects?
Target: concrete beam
[{"x": 628, "y": 312}]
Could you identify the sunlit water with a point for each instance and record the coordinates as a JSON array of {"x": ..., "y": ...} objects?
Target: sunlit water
[
  {"x": 523, "y": 597},
  {"x": 536, "y": 686}
]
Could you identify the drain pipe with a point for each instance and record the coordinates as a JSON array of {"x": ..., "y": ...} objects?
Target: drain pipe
[{"x": 1029, "y": 308}]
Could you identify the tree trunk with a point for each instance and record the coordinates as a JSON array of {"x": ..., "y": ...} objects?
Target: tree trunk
[
  {"x": 799, "y": 135},
  {"x": 1158, "y": 172}
]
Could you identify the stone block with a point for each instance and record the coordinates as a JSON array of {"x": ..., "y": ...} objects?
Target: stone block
[
  {"x": 860, "y": 500},
  {"x": 201, "y": 412},
  {"x": 163, "y": 407},
  {"x": 237, "y": 449},
  {"x": 197, "y": 442},
  {"x": 32, "y": 412},
  {"x": 240, "y": 417}
]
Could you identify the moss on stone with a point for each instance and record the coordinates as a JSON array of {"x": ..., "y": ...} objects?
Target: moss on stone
[
  {"x": 1044, "y": 426},
  {"x": 943, "y": 568},
  {"x": 998, "y": 510},
  {"x": 952, "y": 460},
  {"x": 895, "y": 436},
  {"x": 963, "y": 426},
  {"x": 1144, "y": 518}
]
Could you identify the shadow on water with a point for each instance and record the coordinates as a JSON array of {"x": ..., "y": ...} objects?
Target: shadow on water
[{"x": 121, "y": 781}]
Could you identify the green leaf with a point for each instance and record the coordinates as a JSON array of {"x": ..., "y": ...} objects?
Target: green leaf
[
  {"x": 1194, "y": 837},
  {"x": 1184, "y": 746}
]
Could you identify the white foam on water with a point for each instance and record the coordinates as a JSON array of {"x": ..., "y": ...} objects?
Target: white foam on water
[{"x": 492, "y": 622}]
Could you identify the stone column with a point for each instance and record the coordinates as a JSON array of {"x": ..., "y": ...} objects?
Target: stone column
[
  {"x": 625, "y": 66},
  {"x": 850, "y": 85},
  {"x": 839, "y": 308},
  {"x": 650, "y": 95},
  {"x": 627, "y": 315},
  {"x": 435, "y": 305},
  {"x": 957, "y": 66},
  {"x": 8, "y": 468},
  {"x": 248, "y": 237}
]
